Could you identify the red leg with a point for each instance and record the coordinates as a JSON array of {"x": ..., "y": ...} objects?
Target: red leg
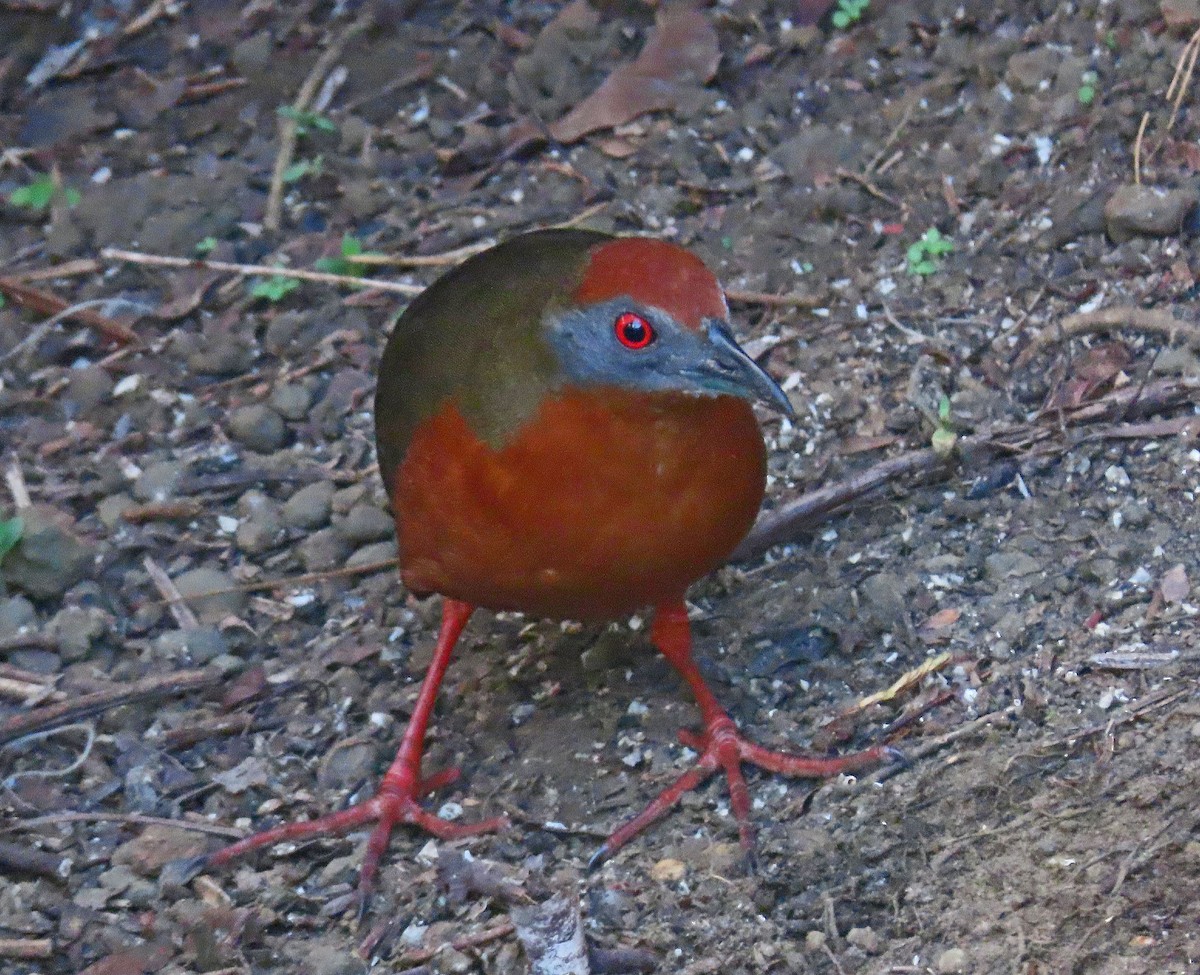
[
  {"x": 721, "y": 745},
  {"x": 396, "y": 800}
]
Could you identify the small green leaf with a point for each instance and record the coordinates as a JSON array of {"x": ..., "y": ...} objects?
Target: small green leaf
[
  {"x": 306, "y": 120},
  {"x": 274, "y": 288},
  {"x": 206, "y": 246},
  {"x": 943, "y": 441},
  {"x": 841, "y": 19},
  {"x": 36, "y": 195},
  {"x": 72, "y": 196},
  {"x": 305, "y": 167},
  {"x": 10, "y": 533},
  {"x": 944, "y": 410},
  {"x": 351, "y": 246}
]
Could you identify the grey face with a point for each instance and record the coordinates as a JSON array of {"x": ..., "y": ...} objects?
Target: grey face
[{"x": 624, "y": 343}]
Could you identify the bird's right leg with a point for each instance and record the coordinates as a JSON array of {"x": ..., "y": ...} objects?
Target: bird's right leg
[{"x": 396, "y": 799}]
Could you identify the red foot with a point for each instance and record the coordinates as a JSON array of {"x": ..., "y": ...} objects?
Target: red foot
[
  {"x": 722, "y": 746},
  {"x": 395, "y": 803},
  {"x": 396, "y": 800}
]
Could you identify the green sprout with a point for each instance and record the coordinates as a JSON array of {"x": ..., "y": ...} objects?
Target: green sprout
[
  {"x": 1110, "y": 40},
  {"x": 42, "y": 192},
  {"x": 351, "y": 247},
  {"x": 944, "y": 437},
  {"x": 273, "y": 289},
  {"x": 1087, "y": 87},
  {"x": 306, "y": 121},
  {"x": 305, "y": 167},
  {"x": 925, "y": 256},
  {"x": 10, "y": 533},
  {"x": 206, "y": 246},
  {"x": 849, "y": 12}
]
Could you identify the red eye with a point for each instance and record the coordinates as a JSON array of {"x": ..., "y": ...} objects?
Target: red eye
[{"x": 633, "y": 331}]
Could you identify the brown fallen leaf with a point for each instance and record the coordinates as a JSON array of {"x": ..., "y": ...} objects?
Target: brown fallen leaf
[
  {"x": 1174, "y": 585},
  {"x": 1091, "y": 373},
  {"x": 936, "y": 629},
  {"x": 681, "y": 51}
]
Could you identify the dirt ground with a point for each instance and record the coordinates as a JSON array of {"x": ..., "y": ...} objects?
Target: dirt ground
[{"x": 1048, "y": 820}]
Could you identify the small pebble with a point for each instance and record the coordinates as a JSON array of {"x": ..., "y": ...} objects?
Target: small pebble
[
  {"x": 291, "y": 400},
  {"x": 951, "y": 960},
  {"x": 367, "y": 523},
  {"x": 258, "y": 427},
  {"x": 310, "y": 506},
  {"x": 158, "y": 482},
  {"x": 203, "y": 588}
]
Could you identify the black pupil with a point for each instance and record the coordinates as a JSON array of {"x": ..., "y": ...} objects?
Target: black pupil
[{"x": 635, "y": 331}]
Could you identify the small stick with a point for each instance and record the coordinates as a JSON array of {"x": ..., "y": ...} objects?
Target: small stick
[
  {"x": 501, "y": 930},
  {"x": 792, "y": 300},
  {"x": 322, "y": 277},
  {"x": 422, "y": 260},
  {"x": 46, "y": 303},
  {"x": 793, "y": 517},
  {"x": 1137, "y": 148},
  {"x": 1156, "y": 320},
  {"x": 288, "y": 126},
  {"x": 300, "y": 580},
  {"x": 26, "y": 948},
  {"x": 14, "y": 477},
  {"x": 867, "y": 185},
  {"x": 68, "y": 269},
  {"x": 29, "y": 859},
  {"x": 133, "y": 819},
  {"x": 184, "y": 617},
  {"x": 84, "y": 706},
  {"x": 27, "y": 692},
  {"x": 162, "y": 511}
]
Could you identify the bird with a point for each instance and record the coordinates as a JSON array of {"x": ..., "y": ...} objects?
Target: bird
[{"x": 565, "y": 428}]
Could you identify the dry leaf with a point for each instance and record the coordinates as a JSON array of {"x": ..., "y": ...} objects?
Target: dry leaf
[
  {"x": 682, "y": 50},
  {"x": 936, "y": 629},
  {"x": 1174, "y": 585}
]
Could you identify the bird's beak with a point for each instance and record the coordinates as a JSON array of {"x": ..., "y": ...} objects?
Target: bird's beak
[{"x": 729, "y": 370}]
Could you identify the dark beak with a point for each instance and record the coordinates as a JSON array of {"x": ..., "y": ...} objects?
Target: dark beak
[{"x": 730, "y": 370}]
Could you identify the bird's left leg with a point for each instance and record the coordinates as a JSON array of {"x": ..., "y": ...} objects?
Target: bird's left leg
[
  {"x": 721, "y": 746},
  {"x": 396, "y": 800}
]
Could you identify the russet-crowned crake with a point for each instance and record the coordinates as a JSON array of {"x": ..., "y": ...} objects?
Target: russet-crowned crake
[{"x": 564, "y": 427}]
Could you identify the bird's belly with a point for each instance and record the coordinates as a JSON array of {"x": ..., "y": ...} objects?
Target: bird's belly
[{"x": 604, "y": 502}]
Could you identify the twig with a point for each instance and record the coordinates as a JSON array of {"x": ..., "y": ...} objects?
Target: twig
[
  {"x": 68, "y": 269},
  {"x": 322, "y": 277},
  {"x": 496, "y": 931},
  {"x": 14, "y": 477},
  {"x": 1185, "y": 67},
  {"x": 133, "y": 819},
  {"x": 454, "y": 256},
  {"x": 184, "y": 617},
  {"x": 149, "y": 688},
  {"x": 300, "y": 580},
  {"x": 792, "y": 300},
  {"x": 867, "y": 185},
  {"x": 288, "y": 125},
  {"x": 1137, "y": 148},
  {"x": 1156, "y": 320},
  {"x": 45, "y": 303},
  {"x": 29, "y": 859},
  {"x": 793, "y": 517},
  {"x": 26, "y": 948}
]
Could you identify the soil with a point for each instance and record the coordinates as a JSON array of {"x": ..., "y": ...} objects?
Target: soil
[{"x": 1048, "y": 818}]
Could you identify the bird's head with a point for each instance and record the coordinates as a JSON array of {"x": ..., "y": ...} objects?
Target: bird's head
[{"x": 649, "y": 315}]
